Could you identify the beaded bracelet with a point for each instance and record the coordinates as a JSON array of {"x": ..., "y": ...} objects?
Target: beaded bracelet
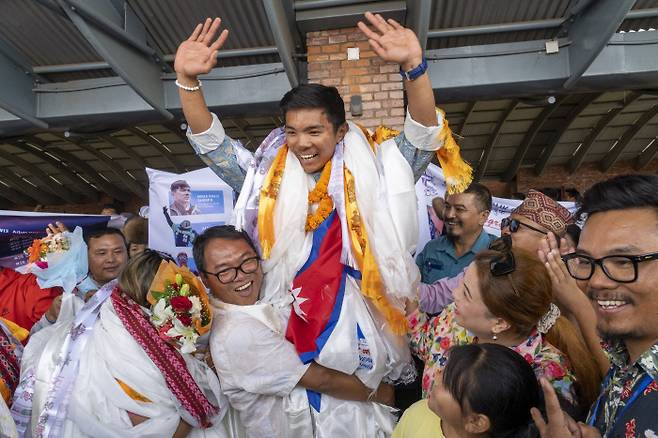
[{"x": 197, "y": 87}]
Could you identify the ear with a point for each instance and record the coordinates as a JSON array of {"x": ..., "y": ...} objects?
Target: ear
[
  {"x": 484, "y": 215},
  {"x": 500, "y": 326},
  {"x": 342, "y": 130},
  {"x": 477, "y": 424}
]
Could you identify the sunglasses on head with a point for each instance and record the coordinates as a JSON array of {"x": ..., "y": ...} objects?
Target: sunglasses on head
[
  {"x": 515, "y": 224},
  {"x": 503, "y": 266}
]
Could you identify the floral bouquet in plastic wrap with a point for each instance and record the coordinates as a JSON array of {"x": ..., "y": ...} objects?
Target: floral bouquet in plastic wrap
[
  {"x": 179, "y": 306},
  {"x": 58, "y": 259}
]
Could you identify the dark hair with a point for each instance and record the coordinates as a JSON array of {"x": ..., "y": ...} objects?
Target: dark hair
[
  {"x": 310, "y": 96},
  {"x": 179, "y": 184},
  {"x": 113, "y": 206},
  {"x": 482, "y": 195},
  {"x": 495, "y": 381},
  {"x": 137, "y": 276},
  {"x": 217, "y": 232},
  {"x": 621, "y": 193},
  {"x": 574, "y": 193},
  {"x": 551, "y": 192},
  {"x": 105, "y": 232}
]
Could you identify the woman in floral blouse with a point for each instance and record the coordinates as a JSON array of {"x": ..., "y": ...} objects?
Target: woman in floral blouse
[{"x": 505, "y": 298}]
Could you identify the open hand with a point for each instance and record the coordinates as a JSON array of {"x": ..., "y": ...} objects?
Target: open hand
[
  {"x": 565, "y": 289},
  {"x": 559, "y": 424},
  {"x": 392, "y": 42},
  {"x": 198, "y": 54},
  {"x": 59, "y": 227}
]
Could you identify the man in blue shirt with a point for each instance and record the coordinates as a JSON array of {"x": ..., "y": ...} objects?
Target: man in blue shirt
[{"x": 464, "y": 215}]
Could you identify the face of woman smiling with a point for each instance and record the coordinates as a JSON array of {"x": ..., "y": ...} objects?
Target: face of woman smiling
[
  {"x": 311, "y": 136},
  {"x": 470, "y": 311}
]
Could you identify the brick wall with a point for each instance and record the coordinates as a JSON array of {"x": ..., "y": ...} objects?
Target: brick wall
[
  {"x": 586, "y": 176},
  {"x": 378, "y": 83}
]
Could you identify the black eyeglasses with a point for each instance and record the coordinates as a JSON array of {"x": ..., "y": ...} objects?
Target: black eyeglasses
[
  {"x": 248, "y": 266},
  {"x": 619, "y": 268},
  {"x": 515, "y": 224}
]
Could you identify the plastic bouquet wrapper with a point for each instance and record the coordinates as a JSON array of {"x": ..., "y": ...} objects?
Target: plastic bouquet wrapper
[
  {"x": 58, "y": 260},
  {"x": 180, "y": 310}
]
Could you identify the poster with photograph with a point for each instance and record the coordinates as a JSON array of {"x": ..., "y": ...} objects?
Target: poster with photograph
[{"x": 182, "y": 206}]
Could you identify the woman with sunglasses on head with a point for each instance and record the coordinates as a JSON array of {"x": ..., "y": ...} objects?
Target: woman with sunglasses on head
[
  {"x": 121, "y": 377},
  {"x": 505, "y": 298},
  {"x": 485, "y": 390}
]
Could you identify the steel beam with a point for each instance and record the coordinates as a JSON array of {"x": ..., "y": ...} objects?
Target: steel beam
[
  {"x": 589, "y": 32},
  {"x": 521, "y": 152},
  {"x": 17, "y": 96},
  {"x": 418, "y": 19},
  {"x": 594, "y": 133},
  {"x": 160, "y": 147},
  {"x": 45, "y": 182},
  {"x": 141, "y": 73},
  {"x": 330, "y": 15},
  {"x": 647, "y": 156},
  {"x": 128, "y": 150},
  {"x": 484, "y": 161},
  {"x": 612, "y": 156},
  {"x": 22, "y": 186},
  {"x": 83, "y": 168},
  {"x": 281, "y": 28},
  {"x": 550, "y": 148},
  {"x": 487, "y": 29},
  {"x": 75, "y": 181},
  {"x": 13, "y": 196},
  {"x": 467, "y": 115}
]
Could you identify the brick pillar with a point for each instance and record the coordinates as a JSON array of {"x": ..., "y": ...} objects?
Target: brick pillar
[{"x": 378, "y": 83}]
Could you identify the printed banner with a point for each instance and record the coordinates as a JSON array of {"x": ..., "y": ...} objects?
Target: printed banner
[
  {"x": 432, "y": 184},
  {"x": 182, "y": 206},
  {"x": 18, "y": 229}
]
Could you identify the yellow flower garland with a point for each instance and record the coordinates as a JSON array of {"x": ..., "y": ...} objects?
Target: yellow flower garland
[{"x": 319, "y": 195}]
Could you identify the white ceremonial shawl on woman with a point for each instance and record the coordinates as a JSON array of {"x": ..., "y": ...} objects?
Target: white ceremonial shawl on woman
[{"x": 98, "y": 407}]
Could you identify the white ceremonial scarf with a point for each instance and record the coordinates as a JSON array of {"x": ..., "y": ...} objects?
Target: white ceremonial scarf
[{"x": 98, "y": 406}]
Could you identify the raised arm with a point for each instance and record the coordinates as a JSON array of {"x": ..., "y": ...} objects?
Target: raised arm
[
  {"x": 343, "y": 386},
  {"x": 195, "y": 56},
  {"x": 394, "y": 43}
]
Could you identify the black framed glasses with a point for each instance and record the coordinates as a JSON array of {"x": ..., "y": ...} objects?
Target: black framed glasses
[
  {"x": 619, "y": 268},
  {"x": 248, "y": 266},
  {"x": 515, "y": 224}
]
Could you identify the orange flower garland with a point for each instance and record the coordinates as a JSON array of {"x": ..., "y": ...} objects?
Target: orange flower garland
[{"x": 319, "y": 195}]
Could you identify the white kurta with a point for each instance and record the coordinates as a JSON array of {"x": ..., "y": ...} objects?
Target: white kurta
[{"x": 98, "y": 406}]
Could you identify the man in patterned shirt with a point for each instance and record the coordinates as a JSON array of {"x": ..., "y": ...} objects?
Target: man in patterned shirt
[{"x": 617, "y": 262}]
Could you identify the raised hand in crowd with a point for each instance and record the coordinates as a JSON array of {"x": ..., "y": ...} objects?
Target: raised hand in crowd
[
  {"x": 56, "y": 229},
  {"x": 198, "y": 54},
  {"x": 570, "y": 298},
  {"x": 394, "y": 43},
  {"x": 559, "y": 423},
  {"x": 195, "y": 56}
]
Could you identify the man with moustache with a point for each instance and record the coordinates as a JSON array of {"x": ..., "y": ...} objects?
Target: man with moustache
[
  {"x": 616, "y": 263},
  {"x": 464, "y": 217}
]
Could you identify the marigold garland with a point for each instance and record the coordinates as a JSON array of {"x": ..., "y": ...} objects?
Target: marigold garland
[{"x": 320, "y": 195}]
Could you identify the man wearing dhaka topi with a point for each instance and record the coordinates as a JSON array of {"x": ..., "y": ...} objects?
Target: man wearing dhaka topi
[{"x": 331, "y": 208}]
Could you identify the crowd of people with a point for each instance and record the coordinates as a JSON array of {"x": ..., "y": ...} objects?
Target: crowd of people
[{"x": 312, "y": 317}]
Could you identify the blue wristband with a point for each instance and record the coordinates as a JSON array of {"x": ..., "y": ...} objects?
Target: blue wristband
[{"x": 415, "y": 72}]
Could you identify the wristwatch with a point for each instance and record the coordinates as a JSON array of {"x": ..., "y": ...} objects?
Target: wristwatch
[{"x": 415, "y": 72}]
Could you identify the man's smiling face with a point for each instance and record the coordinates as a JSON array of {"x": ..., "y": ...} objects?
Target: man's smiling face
[{"x": 311, "y": 136}]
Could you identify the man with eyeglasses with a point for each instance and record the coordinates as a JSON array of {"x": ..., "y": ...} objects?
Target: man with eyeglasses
[
  {"x": 260, "y": 371},
  {"x": 616, "y": 264}
]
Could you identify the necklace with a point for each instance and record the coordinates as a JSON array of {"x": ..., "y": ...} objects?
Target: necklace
[{"x": 320, "y": 196}]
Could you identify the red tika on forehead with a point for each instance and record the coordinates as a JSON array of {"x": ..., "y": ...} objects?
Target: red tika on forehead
[{"x": 544, "y": 211}]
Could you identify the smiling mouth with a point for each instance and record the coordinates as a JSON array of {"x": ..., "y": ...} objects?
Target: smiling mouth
[
  {"x": 244, "y": 287},
  {"x": 611, "y": 305},
  {"x": 308, "y": 157}
]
